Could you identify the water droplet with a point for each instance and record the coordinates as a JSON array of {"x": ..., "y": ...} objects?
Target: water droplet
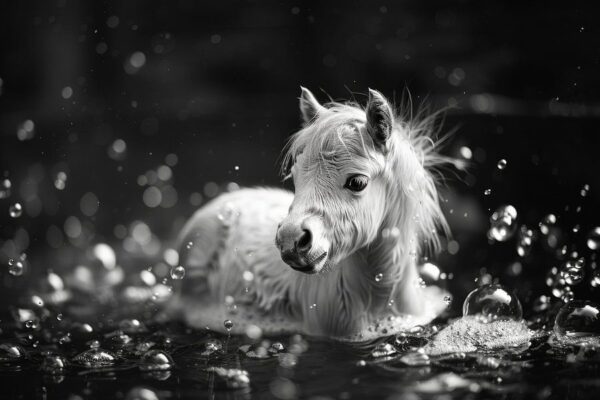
[
  {"x": 95, "y": 358},
  {"x": 503, "y": 223},
  {"x": 493, "y": 302},
  {"x": 415, "y": 359},
  {"x": 578, "y": 320},
  {"x": 141, "y": 393},
  {"x": 177, "y": 272},
  {"x": 230, "y": 378},
  {"x": 15, "y": 210},
  {"x": 59, "y": 317},
  {"x": 383, "y": 350},
  {"x": 525, "y": 241},
  {"x": 156, "y": 360},
  {"x": 132, "y": 326},
  {"x": 593, "y": 239},
  {"x": 53, "y": 364},
  {"x": 595, "y": 279},
  {"x": 487, "y": 192},
  {"x": 15, "y": 267},
  {"x": 228, "y": 324},
  {"x": 547, "y": 223},
  {"x": 11, "y": 352},
  {"x": 502, "y": 163},
  {"x": 5, "y": 186},
  {"x": 572, "y": 271},
  {"x": 448, "y": 300},
  {"x": 541, "y": 303},
  {"x": 378, "y": 277},
  {"x": 210, "y": 347},
  {"x": 189, "y": 245}
]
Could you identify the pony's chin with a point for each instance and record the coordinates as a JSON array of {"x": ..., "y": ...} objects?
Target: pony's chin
[{"x": 314, "y": 266}]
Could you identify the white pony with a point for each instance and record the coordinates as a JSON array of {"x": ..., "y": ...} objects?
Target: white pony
[{"x": 338, "y": 257}]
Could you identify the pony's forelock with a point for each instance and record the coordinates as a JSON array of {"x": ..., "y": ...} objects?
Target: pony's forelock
[{"x": 339, "y": 126}]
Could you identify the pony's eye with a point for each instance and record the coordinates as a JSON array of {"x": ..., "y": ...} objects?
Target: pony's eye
[{"x": 357, "y": 183}]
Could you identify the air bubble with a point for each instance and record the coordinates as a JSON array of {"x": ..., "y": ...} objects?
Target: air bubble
[
  {"x": 547, "y": 223},
  {"x": 491, "y": 303},
  {"x": 228, "y": 324},
  {"x": 156, "y": 360},
  {"x": 95, "y": 358},
  {"x": 525, "y": 241},
  {"x": 378, "y": 277},
  {"x": 503, "y": 223},
  {"x": 383, "y": 350},
  {"x": 177, "y": 273},
  {"x": 502, "y": 163},
  {"x": 15, "y": 267},
  {"x": 53, "y": 364},
  {"x": 593, "y": 239},
  {"x": 578, "y": 320},
  {"x": 572, "y": 272},
  {"x": 15, "y": 210}
]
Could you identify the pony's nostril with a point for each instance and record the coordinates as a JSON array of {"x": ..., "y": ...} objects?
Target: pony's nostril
[{"x": 305, "y": 241}]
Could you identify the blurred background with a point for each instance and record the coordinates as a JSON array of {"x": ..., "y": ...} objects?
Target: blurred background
[{"x": 119, "y": 119}]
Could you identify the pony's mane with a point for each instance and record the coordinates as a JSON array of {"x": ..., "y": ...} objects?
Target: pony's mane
[{"x": 340, "y": 127}]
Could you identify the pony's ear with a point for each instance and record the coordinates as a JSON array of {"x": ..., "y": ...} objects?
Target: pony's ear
[
  {"x": 309, "y": 106},
  {"x": 380, "y": 119}
]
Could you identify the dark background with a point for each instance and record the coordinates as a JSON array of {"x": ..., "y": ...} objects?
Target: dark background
[{"x": 219, "y": 89}]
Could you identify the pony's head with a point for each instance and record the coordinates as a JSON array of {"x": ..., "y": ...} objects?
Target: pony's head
[{"x": 360, "y": 175}]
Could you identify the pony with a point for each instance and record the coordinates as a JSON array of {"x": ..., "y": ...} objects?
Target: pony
[{"x": 338, "y": 257}]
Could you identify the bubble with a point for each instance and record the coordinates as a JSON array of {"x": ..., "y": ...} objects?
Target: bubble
[
  {"x": 228, "y": 324},
  {"x": 152, "y": 197},
  {"x": 541, "y": 303},
  {"x": 595, "y": 279},
  {"x": 502, "y": 163},
  {"x": 415, "y": 359},
  {"x": 593, "y": 239},
  {"x": 26, "y": 130},
  {"x": 378, "y": 277},
  {"x": 525, "y": 241},
  {"x": 156, "y": 360},
  {"x": 141, "y": 393},
  {"x": 11, "y": 352},
  {"x": 487, "y": 192},
  {"x": 95, "y": 358},
  {"x": 132, "y": 326},
  {"x": 210, "y": 347},
  {"x": 465, "y": 152},
  {"x": 254, "y": 332},
  {"x": 256, "y": 351},
  {"x": 503, "y": 223},
  {"x": 230, "y": 378},
  {"x": 572, "y": 272},
  {"x": 383, "y": 350},
  {"x": 578, "y": 320},
  {"x": 547, "y": 223},
  {"x": 177, "y": 273},
  {"x": 15, "y": 267},
  {"x": 61, "y": 180},
  {"x": 491, "y": 303},
  {"x": 135, "y": 61},
  {"x": 5, "y": 186},
  {"x": 15, "y": 210},
  {"x": 67, "y": 92},
  {"x": 53, "y": 364}
]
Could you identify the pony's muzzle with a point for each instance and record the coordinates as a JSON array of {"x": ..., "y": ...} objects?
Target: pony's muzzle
[{"x": 301, "y": 245}]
